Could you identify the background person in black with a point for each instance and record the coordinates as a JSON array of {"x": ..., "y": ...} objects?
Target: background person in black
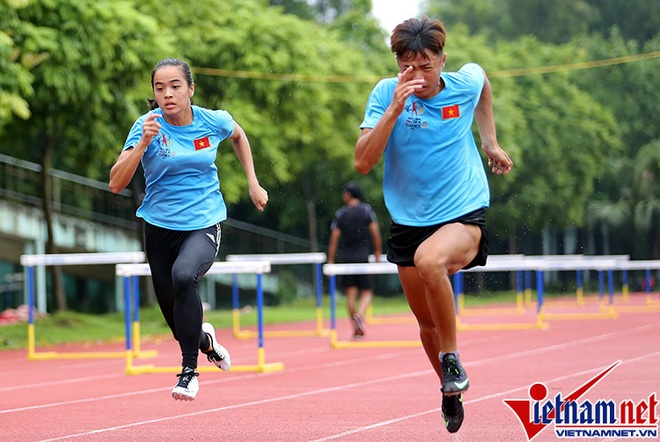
[{"x": 356, "y": 222}]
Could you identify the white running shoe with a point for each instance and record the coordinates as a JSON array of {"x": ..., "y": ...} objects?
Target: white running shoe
[
  {"x": 219, "y": 355},
  {"x": 187, "y": 387}
]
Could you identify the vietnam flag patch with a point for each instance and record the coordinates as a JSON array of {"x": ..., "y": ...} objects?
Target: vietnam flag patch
[
  {"x": 449, "y": 112},
  {"x": 203, "y": 143}
]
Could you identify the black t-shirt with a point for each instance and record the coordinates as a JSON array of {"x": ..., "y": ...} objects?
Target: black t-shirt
[{"x": 353, "y": 221}]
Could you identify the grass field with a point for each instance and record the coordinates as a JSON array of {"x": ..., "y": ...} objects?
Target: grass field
[{"x": 67, "y": 327}]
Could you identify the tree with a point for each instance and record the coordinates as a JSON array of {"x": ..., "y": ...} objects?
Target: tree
[
  {"x": 632, "y": 210},
  {"x": 322, "y": 11},
  {"x": 15, "y": 65},
  {"x": 628, "y": 89},
  {"x": 555, "y": 21},
  {"x": 282, "y": 79},
  {"x": 570, "y": 139},
  {"x": 621, "y": 203},
  {"x": 95, "y": 53}
]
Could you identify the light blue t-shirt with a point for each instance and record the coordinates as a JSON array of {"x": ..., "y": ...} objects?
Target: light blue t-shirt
[
  {"x": 433, "y": 170},
  {"x": 182, "y": 185}
]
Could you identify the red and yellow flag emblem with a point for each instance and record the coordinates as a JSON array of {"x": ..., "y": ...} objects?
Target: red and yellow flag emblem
[
  {"x": 449, "y": 112},
  {"x": 202, "y": 143}
]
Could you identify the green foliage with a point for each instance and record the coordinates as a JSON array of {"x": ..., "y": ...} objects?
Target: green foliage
[
  {"x": 556, "y": 21},
  {"x": 15, "y": 78},
  {"x": 93, "y": 54},
  {"x": 634, "y": 206},
  {"x": 573, "y": 138},
  {"x": 74, "y": 75},
  {"x": 628, "y": 89}
]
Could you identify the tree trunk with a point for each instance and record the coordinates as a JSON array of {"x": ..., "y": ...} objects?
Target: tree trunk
[
  {"x": 312, "y": 221},
  {"x": 47, "y": 206}
]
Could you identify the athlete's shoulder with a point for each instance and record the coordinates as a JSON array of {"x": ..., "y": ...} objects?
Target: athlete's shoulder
[
  {"x": 386, "y": 85},
  {"x": 210, "y": 114},
  {"x": 341, "y": 211},
  {"x": 469, "y": 76}
]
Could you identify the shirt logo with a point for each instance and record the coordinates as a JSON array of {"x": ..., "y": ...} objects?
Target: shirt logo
[
  {"x": 202, "y": 143},
  {"x": 414, "y": 109},
  {"x": 164, "y": 150},
  {"x": 449, "y": 112}
]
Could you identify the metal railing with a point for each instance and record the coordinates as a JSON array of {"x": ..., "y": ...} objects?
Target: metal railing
[{"x": 21, "y": 182}]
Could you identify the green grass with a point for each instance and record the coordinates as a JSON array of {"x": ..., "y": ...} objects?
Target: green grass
[{"x": 71, "y": 327}]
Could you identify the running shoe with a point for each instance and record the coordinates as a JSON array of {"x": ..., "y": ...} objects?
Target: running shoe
[
  {"x": 219, "y": 355},
  {"x": 358, "y": 324},
  {"x": 452, "y": 411},
  {"x": 454, "y": 378},
  {"x": 187, "y": 387}
]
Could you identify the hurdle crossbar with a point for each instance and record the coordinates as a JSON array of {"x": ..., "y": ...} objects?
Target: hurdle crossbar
[
  {"x": 65, "y": 259},
  {"x": 315, "y": 258},
  {"x": 493, "y": 260},
  {"x": 127, "y": 271}
]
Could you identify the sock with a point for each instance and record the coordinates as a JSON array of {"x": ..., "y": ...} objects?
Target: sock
[{"x": 208, "y": 345}]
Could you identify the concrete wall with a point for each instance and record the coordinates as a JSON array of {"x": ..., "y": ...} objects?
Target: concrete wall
[{"x": 23, "y": 231}]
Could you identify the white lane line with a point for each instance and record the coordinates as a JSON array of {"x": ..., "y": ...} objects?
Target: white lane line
[{"x": 501, "y": 394}]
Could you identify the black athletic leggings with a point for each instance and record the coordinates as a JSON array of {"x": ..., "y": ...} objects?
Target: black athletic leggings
[{"x": 178, "y": 260}]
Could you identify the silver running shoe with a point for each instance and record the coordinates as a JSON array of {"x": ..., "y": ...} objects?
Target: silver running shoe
[{"x": 219, "y": 355}]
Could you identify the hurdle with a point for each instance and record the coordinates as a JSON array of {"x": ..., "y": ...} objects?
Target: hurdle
[
  {"x": 579, "y": 273},
  {"x": 527, "y": 291},
  {"x": 648, "y": 266},
  {"x": 516, "y": 263},
  {"x": 371, "y": 319},
  {"x": 597, "y": 263},
  {"x": 372, "y": 268},
  {"x": 30, "y": 261},
  {"x": 492, "y": 262},
  {"x": 459, "y": 298},
  {"x": 317, "y": 259},
  {"x": 128, "y": 271}
]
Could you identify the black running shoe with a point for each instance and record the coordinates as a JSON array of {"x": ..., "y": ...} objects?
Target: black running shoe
[
  {"x": 454, "y": 378},
  {"x": 452, "y": 411}
]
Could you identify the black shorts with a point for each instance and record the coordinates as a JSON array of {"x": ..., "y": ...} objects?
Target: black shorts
[
  {"x": 404, "y": 240},
  {"x": 362, "y": 282}
]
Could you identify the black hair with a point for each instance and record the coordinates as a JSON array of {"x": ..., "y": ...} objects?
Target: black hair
[
  {"x": 353, "y": 189},
  {"x": 183, "y": 67},
  {"x": 414, "y": 36}
]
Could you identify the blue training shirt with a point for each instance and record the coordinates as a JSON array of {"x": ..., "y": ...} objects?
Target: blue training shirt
[
  {"x": 433, "y": 170},
  {"x": 182, "y": 185}
]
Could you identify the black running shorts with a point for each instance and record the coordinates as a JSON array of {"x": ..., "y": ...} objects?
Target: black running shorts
[{"x": 404, "y": 240}]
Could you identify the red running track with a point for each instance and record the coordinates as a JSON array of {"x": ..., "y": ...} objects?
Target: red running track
[{"x": 324, "y": 394}]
